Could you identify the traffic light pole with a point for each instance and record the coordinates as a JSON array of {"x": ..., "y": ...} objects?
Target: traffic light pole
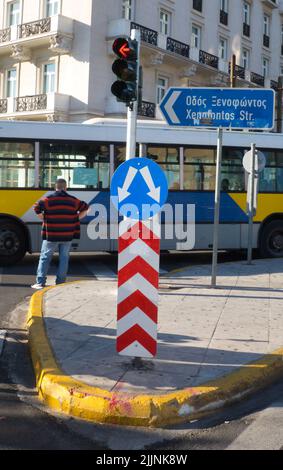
[{"x": 133, "y": 110}]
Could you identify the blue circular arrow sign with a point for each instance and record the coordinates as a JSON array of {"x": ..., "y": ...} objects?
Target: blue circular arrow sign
[{"x": 139, "y": 189}]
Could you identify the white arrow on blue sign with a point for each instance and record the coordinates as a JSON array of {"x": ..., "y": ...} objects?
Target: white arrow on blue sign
[
  {"x": 139, "y": 188},
  {"x": 236, "y": 108}
]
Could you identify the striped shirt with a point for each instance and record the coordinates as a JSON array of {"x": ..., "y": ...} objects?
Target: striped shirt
[{"x": 60, "y": 216}]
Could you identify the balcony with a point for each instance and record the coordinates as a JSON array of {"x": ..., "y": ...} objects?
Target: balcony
[
  {"x": 55, "y": 32},
  {"x": 147, "y": 109},
  {"x": 274, "y": 85},
  {"x": 158, "y": 49},
  {"x": 147, "y": 35},
  {"x": 208, "y": 59},
  {"x": 257, "y": 79},
  {"x": 240, "y": 72},
  {"x": 35, "y": 106},
  {"x": 3, "y": 106},
  {"x": 5, "y": 35},
  {"x": 178, "y": 47},
  {"x": 113, "y": 107}
]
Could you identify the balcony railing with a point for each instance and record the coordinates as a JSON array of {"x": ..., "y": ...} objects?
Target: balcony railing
[
  {"x": 31, "y": 103},
  {"x": 224, "y": 17},
  {"x": 178, "y": 47},
  {"x": 3, "y": 106},
  {"x": 240, "y": 72},
  {"x": 274, "y": 85},
  {"x": 208, "y": 59},
  {"x": 257, "y": 79},
  {"x": 5, "y": 35},
  {"x": 147, "y": 109},
  {"x": 147, "y": 35},
  {"x": 35, "y": 27}
]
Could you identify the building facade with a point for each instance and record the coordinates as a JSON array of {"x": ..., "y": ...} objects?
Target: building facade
[{"x": 56, "y": 55}]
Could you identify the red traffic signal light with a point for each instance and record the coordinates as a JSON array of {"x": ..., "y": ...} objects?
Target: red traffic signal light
[
  {"x": 125, "y": 48},
  {"x": 126, "y": 68}
]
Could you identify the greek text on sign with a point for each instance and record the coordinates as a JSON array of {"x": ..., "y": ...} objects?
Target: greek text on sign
[{"x": 239, "y": 108}]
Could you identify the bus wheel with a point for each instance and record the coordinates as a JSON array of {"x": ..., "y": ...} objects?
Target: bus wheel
[
  {"x": 12, "y": 242},
  {"x": 271, "y": 240}
]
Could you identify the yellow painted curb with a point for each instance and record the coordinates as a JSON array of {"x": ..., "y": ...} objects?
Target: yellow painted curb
[{"x": 75, "y": 398}]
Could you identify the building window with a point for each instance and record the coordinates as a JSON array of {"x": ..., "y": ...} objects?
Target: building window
[
  {"x": 196, "y": 36},
  {"x": 165, "y": 20},
  {"x": 224, "y": 5},
  {"x": 11, "y": 83},
  {"x": 14, "y": 13},
  {"x": 247, "y": 13},
  {"x": 246, "y": 19},
  {"x": 265, "y": 67},
  {"x": 224, "y": 12},
  {"x": 127, "y": 9},
  {"x": 246, "y": 59},
  {"x": 49, "y": 78},
  {"x": 266, "y": 30},
  {"x": 197, "y": 5},
  {"x": 282, "y": 39},
  {"x": 52, "y": 7},
  {"x": 223, "y": 48},
  {"x": 162, "y": 86}
]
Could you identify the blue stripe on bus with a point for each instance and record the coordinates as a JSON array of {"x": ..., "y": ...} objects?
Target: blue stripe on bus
[{"x": 203, "y": 201}]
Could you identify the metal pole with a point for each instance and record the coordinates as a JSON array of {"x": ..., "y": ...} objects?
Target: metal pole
[
  {"x": 251, "y": 207},
  {"x": 133, "y": 109},
  {"x": 232, "y": 72},
  {"x": 217, "y": 207},
  {"x": 279, "y": 104}
]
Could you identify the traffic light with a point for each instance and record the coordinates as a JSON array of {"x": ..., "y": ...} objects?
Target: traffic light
[{"x": 127, "y": 70}]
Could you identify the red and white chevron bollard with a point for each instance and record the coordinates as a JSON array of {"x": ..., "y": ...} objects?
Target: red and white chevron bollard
[{"x": 138, "y": 277}]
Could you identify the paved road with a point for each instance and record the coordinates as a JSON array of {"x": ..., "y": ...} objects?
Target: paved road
[{"x": 24, "y": 424}]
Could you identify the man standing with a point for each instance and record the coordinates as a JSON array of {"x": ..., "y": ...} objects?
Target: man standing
[{"x": 61, "y": 214}]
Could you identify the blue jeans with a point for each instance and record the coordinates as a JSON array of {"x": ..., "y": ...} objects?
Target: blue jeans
[{"x": 46, "y": 254}]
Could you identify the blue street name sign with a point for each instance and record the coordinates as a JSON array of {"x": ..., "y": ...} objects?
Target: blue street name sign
[
  {"x": 233, "y": 108},
  {"x": 139, "y": 189}
]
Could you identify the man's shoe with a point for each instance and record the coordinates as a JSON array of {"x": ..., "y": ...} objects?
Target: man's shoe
[{"x": 37, "y": 286}]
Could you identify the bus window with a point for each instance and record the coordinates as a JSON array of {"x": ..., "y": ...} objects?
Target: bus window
[
  {"x": 232, "y": 171},
  {"x": 82, "y": 165},
  {"x": 267, "y": 180},
  {"x": 168, "y": 159},
  {"x": 199, "y": 169},
  {"x": 16, "y": 165},
  {"x": 120, "y": 154}
]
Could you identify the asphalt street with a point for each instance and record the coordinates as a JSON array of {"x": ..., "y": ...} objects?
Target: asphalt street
[{"x": 26, "y": 424}]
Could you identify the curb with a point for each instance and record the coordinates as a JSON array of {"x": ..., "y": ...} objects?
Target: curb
[{"x": 67, "y": 395}]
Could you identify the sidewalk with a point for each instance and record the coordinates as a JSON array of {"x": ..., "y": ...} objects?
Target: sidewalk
[{"x": 214, "y": 345}]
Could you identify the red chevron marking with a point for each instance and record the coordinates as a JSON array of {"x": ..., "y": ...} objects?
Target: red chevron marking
[
  {"x": 139, "y": 230},
  {"x": 136, "y": 333},
  {"x": 137, "y": 299},
  {"x": 138, "y": 266}
]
